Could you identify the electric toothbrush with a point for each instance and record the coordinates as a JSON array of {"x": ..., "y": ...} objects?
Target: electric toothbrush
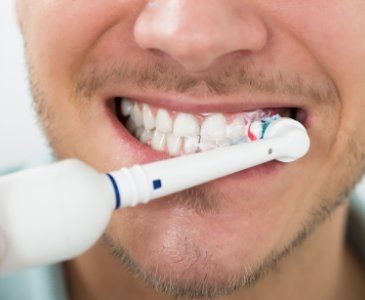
[{"x": 54, "y": 213}]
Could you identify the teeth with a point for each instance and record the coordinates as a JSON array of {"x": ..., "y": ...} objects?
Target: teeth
[
  {"x": 174, "y": 144},
  {"x": 236, "y": 131},
  {"x": 139, "y": 132},
  {"x": 191, "y": 144},
  {"x": 206, "y": 144},
  {"x": 223, "y": 142},
  {"x": 163, "y": 121},
  {"x": 126, "y": 107},
  {"x": 136, "y": 115},
  {"x": 146, "y": 136},
  {"x": 186, "y": 125},
  {"x": 214, "y": 127},
  {"x": 158, "y": 141},
  {"x": 131, "y": 126},
  {"x": 185, "y": 134},
  {"x": 148, "y": 118}
]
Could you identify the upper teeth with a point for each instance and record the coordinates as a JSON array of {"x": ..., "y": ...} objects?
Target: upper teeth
[
  {"x": 186, "y": 125},
  {"x": 236, "y": 130},
  {"x": 214, "y": 127},
  {"x": 164, "y": 122},
  {"x": 148, "y": 118},
  {"x": 136, "y": 115},
  {"x": 126, "y": 107},
  {"x": 179, "y": 133}
]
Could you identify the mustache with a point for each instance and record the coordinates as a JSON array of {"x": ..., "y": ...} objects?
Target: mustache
[{"x": 230, "y": 79}]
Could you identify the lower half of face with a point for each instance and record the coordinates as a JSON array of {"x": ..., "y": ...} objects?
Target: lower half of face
[
  {"x": 217, "y": 231},
  {"x": 213, "y": 233}
]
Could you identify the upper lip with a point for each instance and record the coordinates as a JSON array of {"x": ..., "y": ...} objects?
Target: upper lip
[{"x": 211, "y": 103}]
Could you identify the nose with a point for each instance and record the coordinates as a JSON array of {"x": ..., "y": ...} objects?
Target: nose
[{"x": 196, "y": 33}]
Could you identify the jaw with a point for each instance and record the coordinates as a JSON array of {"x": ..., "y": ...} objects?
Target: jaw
[
  {"x": 255, "y": 208},
  {"x": 256, "y": 211}
]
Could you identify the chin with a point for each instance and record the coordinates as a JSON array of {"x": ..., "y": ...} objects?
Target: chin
[{"x": 219, "y": 234}]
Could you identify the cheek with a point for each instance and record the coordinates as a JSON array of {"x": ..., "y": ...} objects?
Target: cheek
[
  {"x": 334, "y": 35},
  {"x": 60, "y": 33},
  {"x": 86, "y": 134}
]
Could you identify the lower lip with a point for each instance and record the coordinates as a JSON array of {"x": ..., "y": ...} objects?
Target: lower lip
[{"x": 146, "y": 155}]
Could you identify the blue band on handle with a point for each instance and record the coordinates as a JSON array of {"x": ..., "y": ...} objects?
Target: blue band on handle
[{"x": 116, "y": 191}]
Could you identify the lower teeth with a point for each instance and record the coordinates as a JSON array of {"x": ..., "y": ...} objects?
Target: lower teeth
[{"x": 195, "y": 133}]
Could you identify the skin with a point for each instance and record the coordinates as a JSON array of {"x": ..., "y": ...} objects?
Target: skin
[{"x": 218, "y": 239}]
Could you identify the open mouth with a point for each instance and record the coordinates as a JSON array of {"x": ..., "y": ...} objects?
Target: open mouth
[{"x": 179, "y": 133}]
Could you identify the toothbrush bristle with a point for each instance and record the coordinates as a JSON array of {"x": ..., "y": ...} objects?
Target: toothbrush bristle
[
  {"x": 266, "y": 122},
  {"x": 263, "y": 124}
]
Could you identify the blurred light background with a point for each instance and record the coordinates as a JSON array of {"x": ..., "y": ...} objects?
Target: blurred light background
[{"x": 21, "y": 139}]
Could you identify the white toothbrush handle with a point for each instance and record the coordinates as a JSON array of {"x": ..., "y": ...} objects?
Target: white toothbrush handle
[
  {"x": 285, "y": 140},
  {"x": 52, "y": 213}
]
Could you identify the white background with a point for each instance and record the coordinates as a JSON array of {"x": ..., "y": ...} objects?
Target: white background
[{"x": 20, "y": 137}]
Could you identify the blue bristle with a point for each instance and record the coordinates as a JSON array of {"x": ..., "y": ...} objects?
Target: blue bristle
[{"x": 266, "y": 122}]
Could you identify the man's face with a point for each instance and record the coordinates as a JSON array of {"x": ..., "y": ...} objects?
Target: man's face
[{"x": 198, "y": 57}]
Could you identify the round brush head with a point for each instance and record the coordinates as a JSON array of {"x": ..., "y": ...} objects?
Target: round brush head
[{"x": 295, "y": 141}]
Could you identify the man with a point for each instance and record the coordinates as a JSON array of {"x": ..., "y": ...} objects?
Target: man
[{"x": 260, "y": 234}]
